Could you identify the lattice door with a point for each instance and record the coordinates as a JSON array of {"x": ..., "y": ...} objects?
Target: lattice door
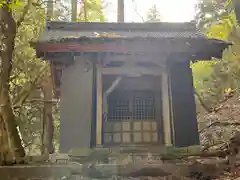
[{"x": 131, "y": 118}]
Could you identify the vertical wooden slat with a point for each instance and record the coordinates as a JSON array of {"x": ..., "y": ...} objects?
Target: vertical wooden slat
[
  {"x": 99, "y": 107},
  {"x": 166, "y": 110},
  {"x": 94, "y": 104}
]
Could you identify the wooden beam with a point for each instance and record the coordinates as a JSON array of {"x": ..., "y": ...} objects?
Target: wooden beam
[
  {"x": 155, "y": 46},
  {"x": 136, "y": 58},
  {"x": 130, "y": 68},
  {"x": 59, "y": 61},
  {"x": 99, "y": 108},
  {"x": 131, "y": 71}
]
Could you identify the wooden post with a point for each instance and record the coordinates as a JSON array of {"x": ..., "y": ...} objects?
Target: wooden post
[
  {"x": 76, "y": 105},
  {"x": 183, "y": 108},
  {"x": 166, "y": 110},
  {"x": 99, "y": 108}
]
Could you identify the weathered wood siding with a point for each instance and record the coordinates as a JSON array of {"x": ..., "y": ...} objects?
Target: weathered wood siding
[
  {"x": 76, "y": 106},
  {"x": 184, "y": 121}
]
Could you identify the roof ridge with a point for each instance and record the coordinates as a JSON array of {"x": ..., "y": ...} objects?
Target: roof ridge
[{"x": 96, "y": 26}]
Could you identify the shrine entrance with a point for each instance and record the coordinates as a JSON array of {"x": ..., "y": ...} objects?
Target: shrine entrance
[{"x": 133, "y": 111}]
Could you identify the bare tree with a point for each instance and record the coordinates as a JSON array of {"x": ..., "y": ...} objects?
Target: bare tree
[{"x": 153, "y": 14}]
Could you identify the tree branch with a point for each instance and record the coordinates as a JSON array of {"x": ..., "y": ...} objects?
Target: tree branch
[
  {"x": 220, "y": 124},
  {"x": 25, "y": 11},
  {"x": 202, "y": 103},
  {"x": 23, "y": 95},
  {"x": 136, "y": 11},
  {"x": 42, "y": 101},
  {"x": 226, "y": 98}
]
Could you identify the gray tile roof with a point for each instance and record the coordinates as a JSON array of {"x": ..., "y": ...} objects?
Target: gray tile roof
[
  {"x": 59, "y": 34},
  {"x": 64, "y": 30}
]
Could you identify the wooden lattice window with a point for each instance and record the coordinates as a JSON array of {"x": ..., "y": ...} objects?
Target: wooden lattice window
[{"x": 131, "y": 118}]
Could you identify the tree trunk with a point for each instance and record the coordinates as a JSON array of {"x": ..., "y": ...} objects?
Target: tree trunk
[
  {"x": 48, "y": 121},
  {"x": 5, "y": 152},
  {"x": 74, "y": 10},
  {"x": 50, "y": 7},
  {"x": 8, "y": 31},
  {"x": 237, "y": 10},
  {"x": 85, "y": 10},
  {"x": 120, "y": 11}
]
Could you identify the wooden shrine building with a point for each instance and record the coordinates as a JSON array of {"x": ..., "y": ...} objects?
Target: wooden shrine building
[{"x": 125, "y": 83}]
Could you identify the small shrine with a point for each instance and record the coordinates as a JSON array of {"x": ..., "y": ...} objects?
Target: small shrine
[{"x": 125, "y": 84}]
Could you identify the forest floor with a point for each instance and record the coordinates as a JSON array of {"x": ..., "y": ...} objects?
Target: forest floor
[
  {"x": 219, "y": 133},
  {"x": 218, "y": 126}
]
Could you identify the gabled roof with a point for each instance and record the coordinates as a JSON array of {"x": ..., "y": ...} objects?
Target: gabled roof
[{"x": 161, "y": 38}]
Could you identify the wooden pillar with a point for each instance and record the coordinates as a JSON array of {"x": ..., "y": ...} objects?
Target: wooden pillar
[
  {"x": 99, "y": 108},
  {"x": 184, "y": 121},
  {"x": 76, "y": 105},
  {"x": 166, "y": 110},
  {"x": 94, "y": 107}
]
